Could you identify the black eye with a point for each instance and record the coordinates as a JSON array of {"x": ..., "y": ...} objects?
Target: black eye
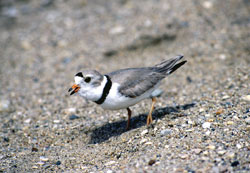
[{"x": 87, "y": 79}]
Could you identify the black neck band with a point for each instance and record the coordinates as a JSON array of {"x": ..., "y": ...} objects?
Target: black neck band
[{"x": 105, "y": 91}]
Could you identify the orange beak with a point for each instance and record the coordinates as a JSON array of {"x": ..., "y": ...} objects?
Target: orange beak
[{"x": 75, "y": 89}]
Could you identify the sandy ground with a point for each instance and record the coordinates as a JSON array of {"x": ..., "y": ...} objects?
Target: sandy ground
[{"x": 202, "y": 119}]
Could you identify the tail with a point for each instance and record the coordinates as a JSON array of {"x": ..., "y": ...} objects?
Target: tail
[{"x": 169, "y": 66}]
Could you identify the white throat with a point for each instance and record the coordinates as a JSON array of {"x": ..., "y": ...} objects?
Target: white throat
[{"x": 93, "y": 93}]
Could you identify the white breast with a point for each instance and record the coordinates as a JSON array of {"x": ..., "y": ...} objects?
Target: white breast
[{"x": 115, "y": 100}]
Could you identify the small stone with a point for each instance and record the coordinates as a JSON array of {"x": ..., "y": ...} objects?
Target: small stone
[
  {"x": 222, "y": 56},
  {"x": 143, "y": 141},
  {"x": 225, "y": 97},
  {"x": 206, "y": 125},
  {"x": 4, "y": 105},
  {"x": 110, "y": 163},
  {"x": 73, "y": 117},
  {"x": 221, "y": 152},
  {"x": 34, "y": 167},
  {"x": 144, "y": 132},
  {"x": 235, "y": 163},
  {"x": 246, "y": 98},
  {"x": 207, "y": 4},
  {"x": 229, "y": 122},
  {"x": 148, "y": 143},
  {"x": 70, "y": 111},
  {"x": 27, "y": 121},
  {"x": 183, "y": 156},
  {"x": 230, "y": 155},
  {"x": 116, "y": 30},
  {"x": 166, "y": 132},
  {"x": 109, "y": 171},
  {"x": 208, "y": 133},
  {"x": 40, "y": 163},
  {"x": 58, "y": 162},
  {"x": 248, "y": 128},
  {"x": 151, "y": 162},
  {"x": 207, "y": 115},
  {"x": 6, "y": 139},
  {"x": 238, "y": 146},
  {"x": 220, "y": 111},
  {"x": 201, "y": 110},
  {"x": 197, "y": 151},
  {"x": 56, "y": 121},
  {"x": 211, "y": 147},
  {"x": 44, "y": 159},
  {"x": 34, "y": 149},
  {"x": 247, "y": 120},
  {"x": 148, "y": 23},
  {"x": 26, "y": 45}
]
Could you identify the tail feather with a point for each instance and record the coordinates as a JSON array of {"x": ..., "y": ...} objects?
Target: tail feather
[{"x": 169, "y": 66}]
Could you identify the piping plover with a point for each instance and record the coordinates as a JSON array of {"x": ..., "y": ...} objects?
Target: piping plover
[{"x": 124, "y": 88}]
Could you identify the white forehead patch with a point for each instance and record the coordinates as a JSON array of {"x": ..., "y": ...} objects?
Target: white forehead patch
[{"x": 78, "y": 79}]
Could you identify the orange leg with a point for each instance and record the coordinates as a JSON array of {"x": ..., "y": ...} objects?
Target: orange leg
[
  {"x": 129, "y": 116},
  {"x": 149, "y": 118}
]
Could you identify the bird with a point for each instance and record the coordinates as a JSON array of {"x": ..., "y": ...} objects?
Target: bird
[{"x": 124, "y": 88}]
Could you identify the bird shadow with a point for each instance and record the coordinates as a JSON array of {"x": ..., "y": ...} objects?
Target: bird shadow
[{"x": 106, "y": 131}]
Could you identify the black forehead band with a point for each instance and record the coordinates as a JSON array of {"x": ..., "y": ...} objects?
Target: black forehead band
[{"x": 79, "y": 74}]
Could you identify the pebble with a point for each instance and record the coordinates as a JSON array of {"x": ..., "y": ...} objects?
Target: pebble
[
  {"x": 4, "y": 105},
  {"x": 235, "y": 163},
  {"x": 56, "y": 121},
  {"x": 44, "y": 159},
  {"x": 40, "y": 163},
  {"x": 110, "y": 163},
  {"x": 151, "y": 162},
  {"x": 148, "y": 143},
  {"x": 73, "y": 117},
  {"x": 26, "y": 45},
  {"x": 211, "y": 147},
  {"x": 166, "y": 132},
  {"x": 207, "y": 4},
  {"x": 109, "y": 171},
  {"x": 197, "y": 150},
  {"x": 229, "y": 122},
  {"x": 58, "y": 162},
  {"x": 221, "y": 152},
  {"x": 144, "y": 132},
  {"x": 219, "y": 111},
  {"x": 208, "y": 133},
  {"x": 247, "y": 120},
  {"x": 246, "y": 98},
  {"x": 206, "y": 125},
  {"x": 143, "y": 141},
  {"x": 230, "y": 155},
  {"x": 225, "y": 97},
  {"x": 70, "y": 111},
  {"x": 117, "y": 30},
  {"x": 238, "y": 146},
  {"x": 183, "y": 156},
  {"x": 27, "y": 121}
]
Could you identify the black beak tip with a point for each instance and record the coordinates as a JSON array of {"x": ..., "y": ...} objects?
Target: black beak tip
[
  {"x": 70, "y": 89},
  {"x": 73, "y": 92}
]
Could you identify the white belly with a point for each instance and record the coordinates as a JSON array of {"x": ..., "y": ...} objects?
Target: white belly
[{"x": 115, "y": 100}]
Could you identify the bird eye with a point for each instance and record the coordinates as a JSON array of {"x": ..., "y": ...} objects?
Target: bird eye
[{"x": 87, "y": 79}]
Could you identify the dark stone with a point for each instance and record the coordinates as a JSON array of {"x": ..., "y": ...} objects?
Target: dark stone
[
  {"x": 235, "y": 163},
  {"x": 34, "y": 149},
  {"x": 151, "y": 162},
  {"x": 6, "y": 139},
  {"x": 58, "y": 162},
  {"x": 73, "y": 117}
]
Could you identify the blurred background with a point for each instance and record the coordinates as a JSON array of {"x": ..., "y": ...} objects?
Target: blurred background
[{"x": 44, "y": 43}]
